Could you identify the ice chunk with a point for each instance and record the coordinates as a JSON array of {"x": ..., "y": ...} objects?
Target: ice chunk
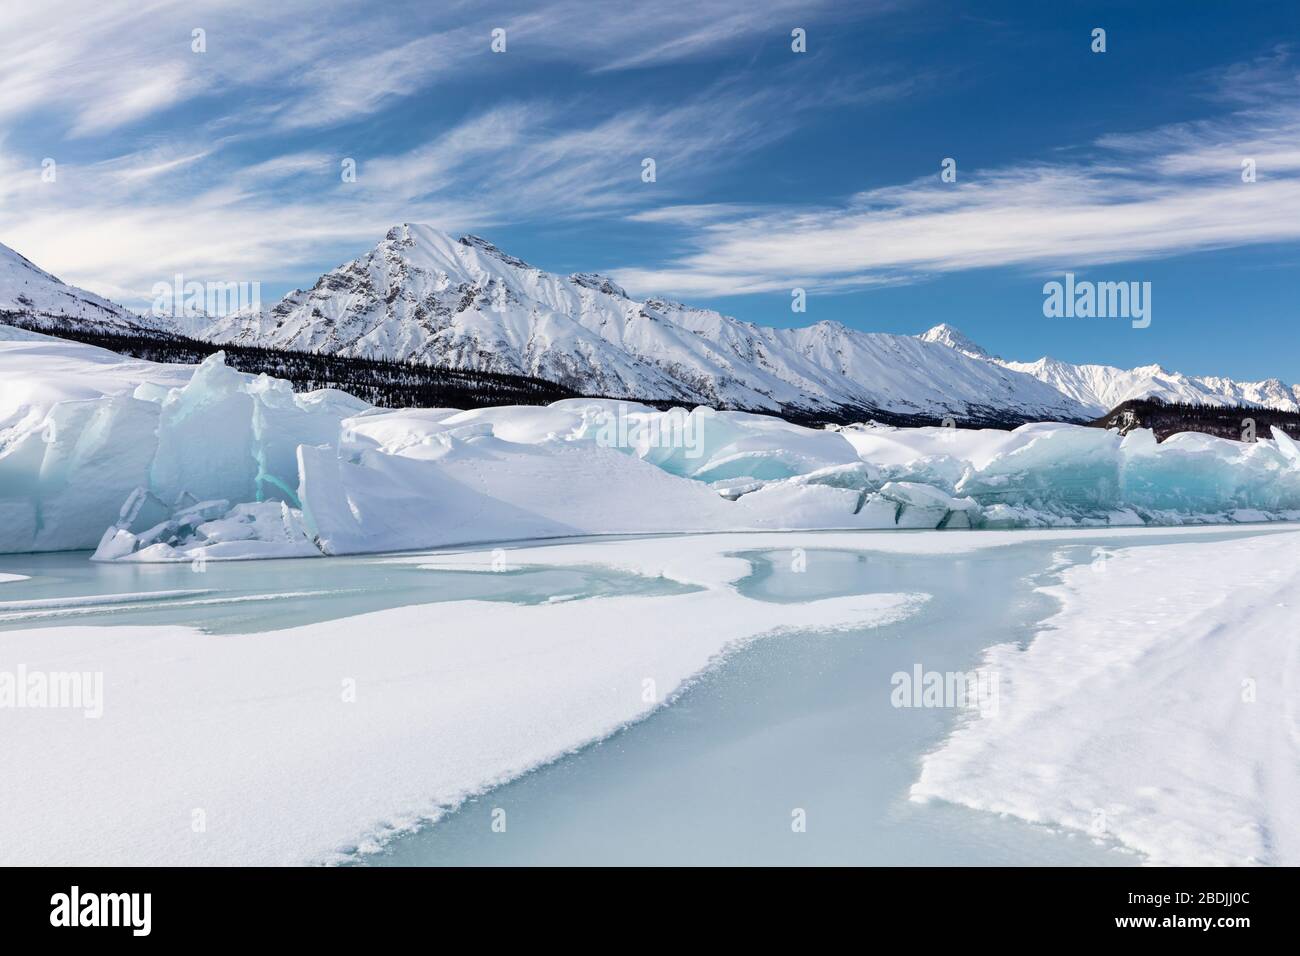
[
  {"x": 1286, "y": 446},
  {"x": 212, "y": 529},
  {"x": 76, "y": 442},
  {"x": 130, "y": 535},
  {"x": 142, "y": 511},
  {"x": 791, "y": 506},
  {"x": 1071, "y": 470},
  {"x": 235, "y": 436},
  {"x": 283, "y": 420},
  {"x": 483, "y": 489},
  {"x": 205, "y": 437},
  {"x": 714, "y": 446},
  {"x": 73, "y": 470},
  {"x": 924, "y": 506}
]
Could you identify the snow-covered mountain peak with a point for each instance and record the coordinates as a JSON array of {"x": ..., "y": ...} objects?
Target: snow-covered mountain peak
[
  {"x": 415, "y": 240},
  {"x": 945, "y": 334},
  {"x": 421, "y": 248},
  {"x": 464, "y": 303},
  {"x": 829, "y": 327}
]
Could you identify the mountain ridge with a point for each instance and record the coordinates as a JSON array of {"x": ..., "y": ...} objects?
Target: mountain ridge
[
  {"x": 465, "y": 304},
  {"x": 47, "y": 302},
  {"x": 1104, "y": 387}
]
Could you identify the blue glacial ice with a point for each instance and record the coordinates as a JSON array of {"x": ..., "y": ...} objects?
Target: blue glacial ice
[{"x": 154, "y": 462}]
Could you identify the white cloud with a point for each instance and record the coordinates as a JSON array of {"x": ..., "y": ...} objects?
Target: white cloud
[
  {"x": 95, "y": 66},
  {"x": 171, "y": 159},
  {"x": 216, "y": 200},
  {"x": 336, "y": 89},
  {"x": 694, "y": 214},
  {"x": 1172, "y": 190},
  {"x": 119, "y": 225}
]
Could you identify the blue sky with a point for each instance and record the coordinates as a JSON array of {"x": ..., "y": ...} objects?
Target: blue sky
[{"x": 774, "y": 169}]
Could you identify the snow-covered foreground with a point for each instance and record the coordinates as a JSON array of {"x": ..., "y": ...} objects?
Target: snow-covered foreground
[
  {"x": 294, "y": 746},
  {"x": 1160, "y": 708},
  {"x": 298, "y": 744},
  {"x": 148, "y": 462}
]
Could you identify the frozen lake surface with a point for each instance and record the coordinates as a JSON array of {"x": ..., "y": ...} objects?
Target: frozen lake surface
[
  {"x": 800, "y": 725},
  {"x": 229, "y": 597}
]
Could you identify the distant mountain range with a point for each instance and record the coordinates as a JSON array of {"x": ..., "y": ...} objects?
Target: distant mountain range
[
  {"x": 464, "y": 303},
  {"x": 1103, "y": 387},
  {"x": 423, "y": 295}
]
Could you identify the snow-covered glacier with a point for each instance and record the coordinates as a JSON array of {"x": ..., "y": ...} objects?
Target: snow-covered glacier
[{"x": 150, "y": 462}]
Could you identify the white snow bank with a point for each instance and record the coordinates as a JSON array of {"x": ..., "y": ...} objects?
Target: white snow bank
[
  {"x": 40, "y": 371},
  {"x": 1159, "y": 708},
  {"x": 472, "y": 486},
  {"x": 261, "y": 739}
]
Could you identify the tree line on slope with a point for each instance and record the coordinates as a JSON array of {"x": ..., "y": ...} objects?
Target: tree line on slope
[
  {"x": 1237, "y": 422},
  {"x": 388, "y": 384},
  {"x": 411, "y": 384}
]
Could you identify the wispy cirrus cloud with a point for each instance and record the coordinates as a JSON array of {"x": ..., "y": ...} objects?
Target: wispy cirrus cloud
[
  {"x": 226, "y": 162},
  {"x": 1167, "y": 191},
  {"x": 118, "y": 225},
  {"x": 99, "y": 65},
  {"x": 287, "y": 92}
]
